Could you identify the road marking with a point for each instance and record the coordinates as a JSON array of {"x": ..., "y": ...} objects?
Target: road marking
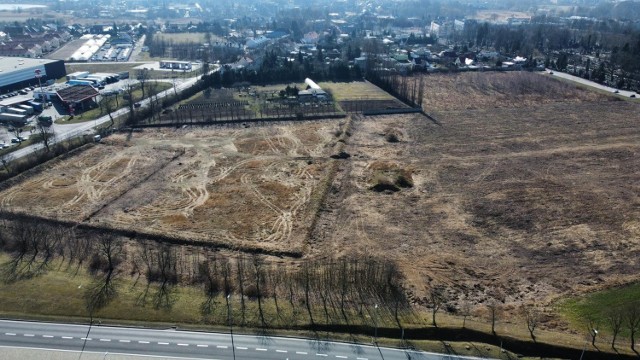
[
  {"x": 29, "y": 335},
  {"x": 142, "y": 342},
  {"x": 281, "y": 351},
  {"x": 301, "y": 353},
  {"x": 322, "y": 355},
  {"x": 47, "y": 336},
  {"x": 241, "y": 348},
  {"x": 221, "y": 346},
  {"x": 183, "y": 344},
  {"x": 125, "y": 341},
  {"x": 10, "y": 334},
  {"x": 199, "y": 345},
  {"x": 261, "y": 349},
  {"x": 341, "y": 356},
  {"x": 105, "y": 339},
  {"x": 163, "y": 343},
  {"x": 67, "y": 337},
  {"x": 86, "y": 339},
  {"x": 362, "y": 359}
]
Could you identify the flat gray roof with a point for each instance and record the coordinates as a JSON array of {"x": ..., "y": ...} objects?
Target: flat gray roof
[{"x": 10, "y": 63}]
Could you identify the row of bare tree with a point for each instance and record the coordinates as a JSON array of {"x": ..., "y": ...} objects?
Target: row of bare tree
[
  {"x": 339, "y": 287},
  {"x": 328, "y": 291}
]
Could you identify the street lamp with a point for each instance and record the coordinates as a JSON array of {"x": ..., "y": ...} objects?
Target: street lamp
[
  {"x": 39, "y": 77},
  {"x": 229, "y": 320},
  {"x": 375, "y": 322},
  {"x": 593, "y": 334}
]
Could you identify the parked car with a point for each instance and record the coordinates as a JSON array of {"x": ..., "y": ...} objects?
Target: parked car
[{"x": 15, "y": 140}]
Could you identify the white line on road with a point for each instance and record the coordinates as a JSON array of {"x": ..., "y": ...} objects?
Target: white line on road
[
  {"x": 125, "y": 341},
  {"x": 301, "y": 353},
  {"x": 261, "y": 349},
  {"x": 163, "y": 343},
  {"x": 341, "y": 356},
  {"x": 362, "y": 359},
  {"x": 67, "y": 337},
  {"x": 200, "y": 345},
  {"x": 10, "y": 334},
  {"x": 241, "y": 348},
  {"x": 221, "y": 346},
  {"x": 281, "y": 351},
  {"x": 142, "y": 342},
  {"x": 29, "y": 335},
  {"x": 86, "y": 339},
  {"x": 47, "y": 336},
  {"x": 105, "y": 339},
  {"x": 322, "y": 355},
  {"x": 183, "y": 344}
]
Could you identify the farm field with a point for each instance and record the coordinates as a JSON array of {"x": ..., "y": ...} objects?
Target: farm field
[
  {"x": 526, "y": 200},
  {"x": 248, "y": 188},
  {"x": 524, "y": 203},
  {"x": 185, "y": 37}
]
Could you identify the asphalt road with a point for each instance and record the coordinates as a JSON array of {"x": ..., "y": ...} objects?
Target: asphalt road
[
  {"x": 192, "y": 345},
  {"x": 64, "y": 132},
  {"x": 590, "y": 83}
]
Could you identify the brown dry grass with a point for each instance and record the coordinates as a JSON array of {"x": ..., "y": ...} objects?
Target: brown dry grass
[
  {"x": 489, "y": 90},
  {"x": 526, "y": 203},
  {"x": 244, "y": 188}
]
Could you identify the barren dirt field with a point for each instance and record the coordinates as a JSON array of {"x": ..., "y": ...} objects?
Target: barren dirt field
[
  {"x": 519, "y": 203},
  {"x": 489, "y": 90},
  {"x": 244, "y": 188},
  {"x": 519, "y": 188}
]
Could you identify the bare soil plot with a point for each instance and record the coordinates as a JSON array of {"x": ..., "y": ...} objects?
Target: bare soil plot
[
  {"x": 243, "y": 188},
  {"x": 522, "y": 204},
  {"x": 488, "y": 90}
]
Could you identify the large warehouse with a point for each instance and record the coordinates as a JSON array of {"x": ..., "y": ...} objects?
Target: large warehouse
[{"x": 17, "y": 73}]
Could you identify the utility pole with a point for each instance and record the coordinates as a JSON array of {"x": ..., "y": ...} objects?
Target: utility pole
[{"x": 229, "y": 319}]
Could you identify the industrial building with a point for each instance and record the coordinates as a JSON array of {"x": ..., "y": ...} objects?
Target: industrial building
[{"x": 17, "y": 73}]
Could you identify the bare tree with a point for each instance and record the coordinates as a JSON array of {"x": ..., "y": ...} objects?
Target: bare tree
[
  {"x": 109, "y": 251},
  {"x": 494, "y": 307},
  {"x": 259, "y": 278},
  {"x": 615, "y": 319},
  {"x": 435, "y": 299},
  {"x": 465, "y": 311},
  {"x": 241, "y": 285},
  {"x": 143, "y": 76},
  {"x": 532, "y": 317},
  {"x": 632, "y": 318},
  {"x": 6, "y": 158},
  {"x": 45, "y": 135}
]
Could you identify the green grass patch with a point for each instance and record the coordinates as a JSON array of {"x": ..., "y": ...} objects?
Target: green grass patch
[{"x": 597, "y": 305}]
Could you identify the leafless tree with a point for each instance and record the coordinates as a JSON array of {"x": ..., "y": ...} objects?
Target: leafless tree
[
  {"x": 465, "y": 311},
  {"x": 632, "y": 317},
  {"x": 532, "y": 317},
  {"x": 494, "y": 307},
  {"x": 208, "y": 274},
  {"x": 108, "y": 254},
  {"x": 143, "y": 77},
  {"x": 45, "y": 135},
  {"x": 615, "y": 318},
  {"x": 241, "y": 286},
  {"x": 259, "y": 284},
  {"x": 435, "y": 299},
  {"x": 6, "y": 159}
]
